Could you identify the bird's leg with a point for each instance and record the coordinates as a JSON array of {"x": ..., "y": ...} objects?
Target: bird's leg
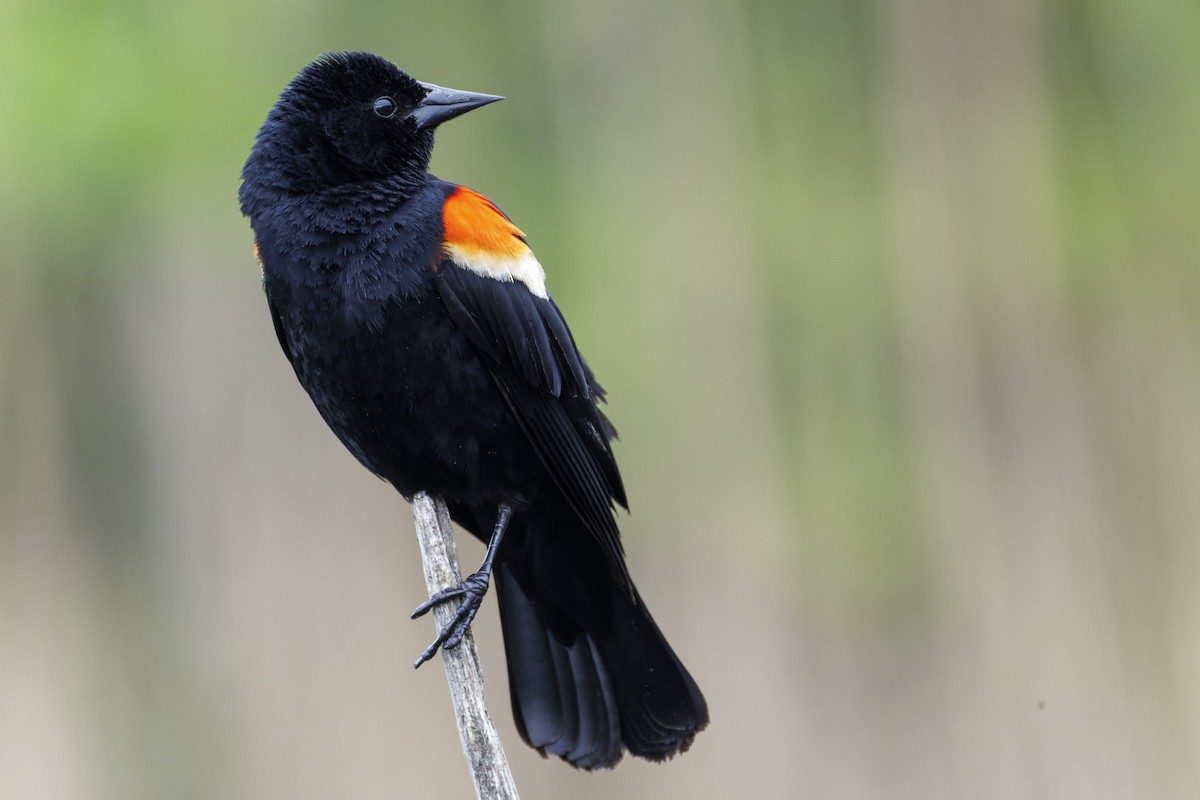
[{"x": 472, "y": 591}]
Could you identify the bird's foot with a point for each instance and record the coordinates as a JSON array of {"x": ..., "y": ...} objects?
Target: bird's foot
[{"x": 472, "y": 591}]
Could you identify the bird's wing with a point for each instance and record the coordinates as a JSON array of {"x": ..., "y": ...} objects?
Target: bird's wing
[
  {"x": 276, "y": 316},
  {"x": 280, "y": 332},
  {"x": 494, "y": 290}
]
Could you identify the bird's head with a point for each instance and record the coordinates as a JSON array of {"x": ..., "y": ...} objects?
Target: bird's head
[{"x": 349, "y": 118}]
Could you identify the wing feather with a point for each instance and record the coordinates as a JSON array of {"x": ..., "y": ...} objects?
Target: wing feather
[{"x": 533, "y": 359}]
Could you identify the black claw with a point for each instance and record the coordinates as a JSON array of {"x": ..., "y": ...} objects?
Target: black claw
[
  {"x": 440, "y": 597},
  {"x": 472, "y": 590}
]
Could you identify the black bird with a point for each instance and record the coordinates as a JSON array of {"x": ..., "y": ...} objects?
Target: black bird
[{"x": 417, "y": 319}]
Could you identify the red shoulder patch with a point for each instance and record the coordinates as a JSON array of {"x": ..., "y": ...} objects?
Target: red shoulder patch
[
  {"x": 473, "y": 224},
  {"x": 478, "y": 237}
]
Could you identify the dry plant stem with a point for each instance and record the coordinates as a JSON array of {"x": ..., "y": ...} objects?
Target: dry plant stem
[{"x": 481, "y": 744}]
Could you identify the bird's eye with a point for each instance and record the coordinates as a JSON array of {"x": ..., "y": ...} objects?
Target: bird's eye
[{"x": 385, "y": 107}]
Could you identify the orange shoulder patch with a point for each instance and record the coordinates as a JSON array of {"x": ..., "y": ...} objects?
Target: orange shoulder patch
[
  {"x": 478, "y": 237},
  {"x": 472, "y": 223}
]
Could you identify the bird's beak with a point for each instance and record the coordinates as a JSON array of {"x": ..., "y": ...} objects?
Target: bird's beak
[{"x": 441, "y": 104}]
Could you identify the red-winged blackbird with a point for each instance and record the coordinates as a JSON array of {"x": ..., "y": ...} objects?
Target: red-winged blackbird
[{"x": 417, "y": 318}]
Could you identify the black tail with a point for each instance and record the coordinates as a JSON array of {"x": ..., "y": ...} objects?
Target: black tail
[{"x": 587, "y": 686}]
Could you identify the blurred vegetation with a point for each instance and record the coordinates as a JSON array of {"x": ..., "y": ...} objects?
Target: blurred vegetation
[{"x": 896, "y": 305}]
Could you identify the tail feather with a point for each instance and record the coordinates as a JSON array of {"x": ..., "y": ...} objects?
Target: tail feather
[
  {"x": 662, "y": 708},
  {"x": 563, "y": 700},
  {"x": 587, "y": 692},
  {"x": 597, "y": 719}
]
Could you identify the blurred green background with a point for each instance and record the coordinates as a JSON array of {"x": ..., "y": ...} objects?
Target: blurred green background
[{"x": 896, "y": 303}]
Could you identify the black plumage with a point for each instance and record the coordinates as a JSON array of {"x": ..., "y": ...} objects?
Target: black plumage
[{"x": 415, "y": 317}]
